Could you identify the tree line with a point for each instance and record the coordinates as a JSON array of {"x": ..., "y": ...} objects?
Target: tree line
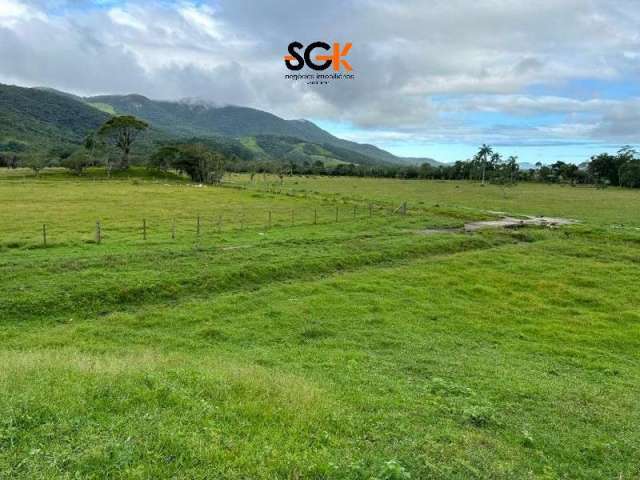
[
  {"x": 206, "y": 162},
  {"x": 486, "y": 166},
  {"x": 111, "y": 146}
]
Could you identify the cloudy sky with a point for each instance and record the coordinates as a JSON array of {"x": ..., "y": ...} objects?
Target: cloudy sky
[{"x": 546, "y": 80}]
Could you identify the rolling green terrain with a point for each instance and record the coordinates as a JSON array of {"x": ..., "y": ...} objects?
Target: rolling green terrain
[
  {"x": 353, "y": 349},
  {"x": 35, "y": 119},
  {"x": 201, "y": 119}
]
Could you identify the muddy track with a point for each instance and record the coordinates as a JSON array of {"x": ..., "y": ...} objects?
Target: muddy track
[{"x": 504, "y": 222}]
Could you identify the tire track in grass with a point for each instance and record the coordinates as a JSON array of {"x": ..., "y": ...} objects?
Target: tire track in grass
[{"x": 97, "y": 290}]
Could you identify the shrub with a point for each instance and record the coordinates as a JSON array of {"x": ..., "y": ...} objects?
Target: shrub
[
  {"x": 478, "y": 416},
  {"x": 37, "y": 162},
  {"x": 393, "y": 470},
  {"x": 77, "y": 161}
]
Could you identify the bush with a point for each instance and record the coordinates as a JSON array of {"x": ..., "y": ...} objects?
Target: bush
[
  {"x": 37, "y": 162},
  {"x": 393, "y": 470},
  {"x": 77, "y": 161},
  {"x": 479, "y": 416}
]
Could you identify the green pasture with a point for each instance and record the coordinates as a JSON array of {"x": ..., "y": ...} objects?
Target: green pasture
[{"x": 353, "y": 349}]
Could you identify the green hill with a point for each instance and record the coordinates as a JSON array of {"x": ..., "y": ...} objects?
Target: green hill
[
  {"x": 281, "y": 149},
  {"x": 33, "y": 118},
  {"x": 199, "y": 119},
  {"x": 40, "y": 118}
]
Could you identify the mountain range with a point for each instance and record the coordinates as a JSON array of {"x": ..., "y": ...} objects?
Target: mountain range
[{"x": 38, "y": 118}]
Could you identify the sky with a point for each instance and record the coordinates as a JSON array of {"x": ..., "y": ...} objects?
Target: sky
[{"x": 546, "y": 80}]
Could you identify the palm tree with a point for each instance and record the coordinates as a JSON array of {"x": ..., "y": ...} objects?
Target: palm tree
[
  {"x": 484, "y": 152},
  {"x": 512, "y": 161}
]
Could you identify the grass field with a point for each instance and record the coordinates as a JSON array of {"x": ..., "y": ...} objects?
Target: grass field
[
  {"x": 597, "y": 206},
  {"x": 356, "y": 349}
]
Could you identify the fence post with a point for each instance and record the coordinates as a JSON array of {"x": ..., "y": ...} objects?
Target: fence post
[
  {"x": 144, "y": 228},
  {"x": 404, "y": 208},
  {"x": 98, "y": 233},
  {"x": 173, "y": 229},
  {"x": 44, "y": 234},
  {"x": 269, "y": 225},
  {"x": 315, "y": 216},
  {"x": 198, "y": 225}
]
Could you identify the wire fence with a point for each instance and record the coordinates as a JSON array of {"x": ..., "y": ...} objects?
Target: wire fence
[{"x": 196, "y": 228}]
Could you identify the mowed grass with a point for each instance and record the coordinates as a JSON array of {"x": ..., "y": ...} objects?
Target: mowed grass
[{"x": 360, "y": 349}]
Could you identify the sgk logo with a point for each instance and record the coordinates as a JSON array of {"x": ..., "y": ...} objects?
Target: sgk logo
[{"x": 336, "y": 58}]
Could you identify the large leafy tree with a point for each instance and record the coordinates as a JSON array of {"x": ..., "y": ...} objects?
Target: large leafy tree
[
  {"x": 122, "y": 132},
  {"x": 609, "y": 167},
  {"x": 604, "y": 167},
  {"x": 562, "y": 171},
  {"x": 630, "y": 174},
  {"x": 196, "y": 160},
  {"x": 627, "y": 153},
  {"x": 38, "y": 161},
  {"x": 165, "y": 157}
]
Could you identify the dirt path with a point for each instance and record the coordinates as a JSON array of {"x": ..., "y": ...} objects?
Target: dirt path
[{"x": 505, "y": 222}]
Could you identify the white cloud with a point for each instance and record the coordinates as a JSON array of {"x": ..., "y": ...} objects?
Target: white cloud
[
  {"x": 529, "y": 104},
  {"x": 203, "y": 19},
  {"x": 481, "y": 55},
  {"x": 13, "y": 12},
  {"x": 120, "y": 17}
]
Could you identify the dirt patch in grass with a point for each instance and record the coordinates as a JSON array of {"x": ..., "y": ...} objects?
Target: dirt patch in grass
[{"x": 505, "y": 222}]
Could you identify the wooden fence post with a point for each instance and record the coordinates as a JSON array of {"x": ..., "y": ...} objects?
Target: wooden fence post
[
  {"x": 269, "y": 224},
  {"x": 173, "y": 229},
  {"x": 98, "y": 233},
  {"x": 44, "y": 234},
  {"x": 198, "y": 225}
]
